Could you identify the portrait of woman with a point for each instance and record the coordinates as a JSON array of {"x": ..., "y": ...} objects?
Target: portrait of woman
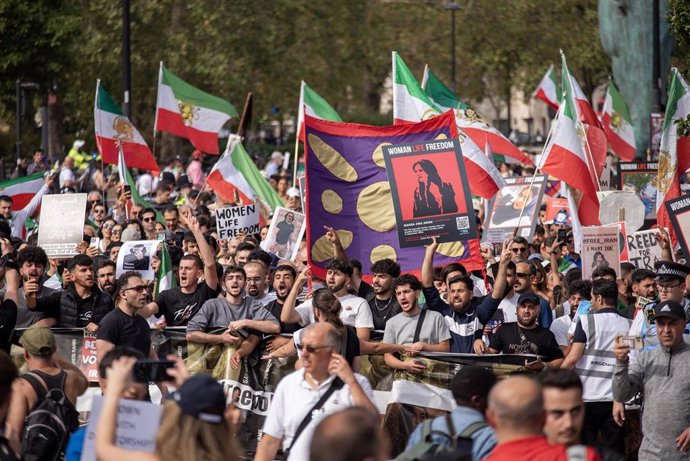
[
  {"x": 599, "y": 260},
  {"x": 432, "y": 196}
]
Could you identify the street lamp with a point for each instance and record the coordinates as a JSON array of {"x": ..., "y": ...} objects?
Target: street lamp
[
  {"x": 21, "y": 86},
  {"x": 453, "y": 7}
]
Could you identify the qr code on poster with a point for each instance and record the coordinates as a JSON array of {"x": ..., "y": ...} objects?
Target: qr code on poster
[{"x": 463, "y": 222}]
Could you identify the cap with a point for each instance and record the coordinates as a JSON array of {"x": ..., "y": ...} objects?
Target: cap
[
  {"x": 528, "y": 297},
  {"x": 536, "y": 256},
  {"x": 183, "y": 182},
  {"x": 669, "y": 270},
  {"x": 202, "y": 397},
  {"x": 78, "y": 143},
  {"x": 670, "y": 309},
  {"x": 277, "y": 155},
  {"x": 196, "y": 154},
  {"x": 38, "y": 340},
  {"x": 293, "y": 192}
]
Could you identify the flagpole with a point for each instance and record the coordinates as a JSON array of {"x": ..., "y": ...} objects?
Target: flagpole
[
  {"x": 240, "y": 127},
  {"x": 98, "y": 144},
  {"x": 300, "y": 111},
  {"x": 294, "y": 171}
]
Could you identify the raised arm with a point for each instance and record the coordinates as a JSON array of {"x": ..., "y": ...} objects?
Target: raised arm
[
  {"x": 428, "y": 264},
  {"x": 501, "y": 282},
  {"x": 289, "y": 314},
  {"x": 205, "y": 251},
  {"x": 664, "y": 241},
  {"x": 339, "y": 253}
]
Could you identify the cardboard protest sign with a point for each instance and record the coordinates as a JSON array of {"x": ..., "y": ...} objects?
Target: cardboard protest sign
[
  {"x": 599, "y": 248},
  {"x": 679, "y": 211},
  {"x": 506, "y": 208},
  {"x": 557, "y": 211},
  {"x": 136, "y": 428},
  {"x": 136, "y": 255},
  {"x": 643, "y": 249},
  {"x": 430, "y": 192},
  {"x": 61, "y": 225},
  {"x": 231, "y": 221},
  {"x": 641, "y": 178},
  {"x": 285, "y": 233}
]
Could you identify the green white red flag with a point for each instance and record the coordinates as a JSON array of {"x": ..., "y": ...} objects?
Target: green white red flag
[
  {"x": 674, "y": 152},
  {"x": 411, "y": 105},
  {"x": 166, "y": 276},
  {"x": 189, "y": 112},
  {"x": 22, "y": 190},
  {"x": 565, "y": 158},
  {"x": 316, "y": 106},
  {"x": 470, "y": 121},
  {"x": 549, "y": 90},
  {"x": 113, "y": 128},
  {"x": 618, "y": 124}
]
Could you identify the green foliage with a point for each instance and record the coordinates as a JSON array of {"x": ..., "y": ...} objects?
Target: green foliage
[{"x": 679, "y": 21}]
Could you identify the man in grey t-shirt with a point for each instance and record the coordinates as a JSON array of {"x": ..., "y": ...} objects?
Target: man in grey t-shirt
[
  {"x": 434, "y": 335},
  {"x": 241, "y": 316}
]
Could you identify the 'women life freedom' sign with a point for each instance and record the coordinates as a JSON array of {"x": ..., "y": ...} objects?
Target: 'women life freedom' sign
[{"x": 231, "y": 221}]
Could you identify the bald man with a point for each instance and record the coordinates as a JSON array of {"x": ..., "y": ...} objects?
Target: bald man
[
  {"x": 516, "y": 412},
  {"x": 352, "y": 434}
]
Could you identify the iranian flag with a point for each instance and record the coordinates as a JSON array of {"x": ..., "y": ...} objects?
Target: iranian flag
[
  {"x": 235, "y": 172},
  {"x": 166, "y": 277},
  {"x": 565, "y": 158},
  {"x": 188, "y": 112},
  {"x": 412, "y": 105},
  {"x": 113, "y": 128},
  {"x": 474, "y": 125},
  {"x": 127, "y": 180},
  {"x": 314, "y": 105},
  {"x": 674, "y": 152},
  {"x": 548, "y": 89},
  {"x": 22, "y": 190},
  {"x": 618, "y": 124}
]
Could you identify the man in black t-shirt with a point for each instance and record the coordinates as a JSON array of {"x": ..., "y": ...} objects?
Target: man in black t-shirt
[
  {"x": 178, "y": 305},
  {"x": 380, "y": 294},
  {"x": 283, "y": 280},
  {"x": 526, "y": 337},
  {"x": 122, "y": 326}
]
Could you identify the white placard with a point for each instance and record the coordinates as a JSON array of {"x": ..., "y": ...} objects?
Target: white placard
[
  {"x": 136, "y": 256},
  {"x": 285, "y": 233},
  {"x": 233, "y": 220},
  {"x": 61, "y": 224},
  {"x": 643, "y": 249}
]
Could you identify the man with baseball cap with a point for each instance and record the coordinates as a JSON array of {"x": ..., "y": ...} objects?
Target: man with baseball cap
[
  {"x": 663, "y": 376},
  {"x": 670, "y": 284}
]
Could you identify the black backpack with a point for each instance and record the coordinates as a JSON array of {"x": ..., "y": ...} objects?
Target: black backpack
[{"x": 49, "y": 424}]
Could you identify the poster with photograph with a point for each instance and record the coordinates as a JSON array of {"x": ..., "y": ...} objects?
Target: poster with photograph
[
  {"x": 136, "y": 255},
  {"x": 430, "y": 192},
  {"x": 656, "y": 129},
  {"x": 600, "y": 247},
  {"x": 679, "y": 211},
  {"x": 643, "y": 249},
  {"x": 285, "y": 234},
  {"x": 557, "y": 211},
  {"x": 516, "y": 205},
  {"x": 231, "y": 221},
  {"x": 61, "y": 225},
  {"x": 641, "y": 178}
]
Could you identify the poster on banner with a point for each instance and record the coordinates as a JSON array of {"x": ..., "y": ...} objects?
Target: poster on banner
[
  {"x": 430, "y": 192},
  {"x": 600, "y": 249},
  {"x": 557, "y": 211},
  {"x": 285, "y": 233},
  {"x": 136, "y": 255},
  {"x": 61, "y": 225},
  {"x": 506, "y": 208},
  {"x": 231, "y": 221},
  {"x": 679, "y": 211},
  {"x": 643, "y": 249},
  {"x": 136, "y": 428},
  {"x": 89, "y": 358},
  {"x": 656, "y": 129},
  {"x": 641, "y": 178}
]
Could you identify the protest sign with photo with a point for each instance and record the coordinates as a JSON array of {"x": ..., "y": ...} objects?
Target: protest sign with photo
[
  {"x": 61, "y": 225},
  {"x": 600, "y": 249},
  {"x": 285, "y": 233},
  {"x": 231, "y": 221},
  {"x": 640, "y": 178},
  {"x": 430, "y": 192},
  {"x": 679, "y": 211},
  {"x": 557, "y": 211},
  {"x": 516, "y": 205},
  {"x": 136, "y": 255},
  {"x": 643, "y": 249},
  {"x": 656, "y": 129}
]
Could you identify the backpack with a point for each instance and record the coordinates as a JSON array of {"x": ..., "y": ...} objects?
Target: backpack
[
  {"x": 49, "y": 423},
  {"x": 459, "y": 448}
]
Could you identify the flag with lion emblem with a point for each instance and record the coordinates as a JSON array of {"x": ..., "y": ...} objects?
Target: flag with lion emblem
[{"x": 114, "y": 128}]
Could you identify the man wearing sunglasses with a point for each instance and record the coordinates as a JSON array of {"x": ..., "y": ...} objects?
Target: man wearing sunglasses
[
  {"x": 148, "y": 221},
  {"x": 519, "y": 248},
  {"x": 122, "y": 326}
]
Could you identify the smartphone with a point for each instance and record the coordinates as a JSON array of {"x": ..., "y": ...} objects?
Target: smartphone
[
  {"x": 152, "y": 371},
  {"x": 634, "y": 342},
  {"x": 95, "y": 242},
  {"x": 128, "y": 189},
  {"x": 562, "y": 235}
]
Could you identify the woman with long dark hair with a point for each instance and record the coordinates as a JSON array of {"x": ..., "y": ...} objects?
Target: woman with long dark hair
[{"x": 432, "y": 196}]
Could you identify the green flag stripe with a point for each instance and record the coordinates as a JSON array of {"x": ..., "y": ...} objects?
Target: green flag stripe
[
  {"x": 675, "y": 92},
  {"x": 319, "y": 105},
  {"x": 14, "y": 182},
  {"x": 245, "y": 165},
  {"x": 440, "y": 93},
  {"x": 186, "y": 92},
  {"x": 403, "y": 76},
  {"x": 106, "y": 103},
  {"x": 618, "y": 103},
  {"x": 569, "y": 110}
]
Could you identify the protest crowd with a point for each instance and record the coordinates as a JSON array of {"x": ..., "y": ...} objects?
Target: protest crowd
[{"x": 222, "y": 309}]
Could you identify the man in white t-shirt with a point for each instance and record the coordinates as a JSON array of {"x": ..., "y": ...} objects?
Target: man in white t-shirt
[
  {"x": 297, "y": 395},
  {"x": 580, "y": 290},
  {"x": 67, "y": 178}
]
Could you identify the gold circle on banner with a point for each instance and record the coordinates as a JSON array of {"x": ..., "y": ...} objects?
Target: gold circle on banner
[
  {"x": 451, "y": 249},
  {"x": 441, "y": 136},
  {"x": 375, "y": 207},
  {"x": 331, "y": 201},
  {"x": 322, "y": 250},
  {"x": 331, "y": 159},
  {"x": 377, "y": 157},
  {"x": 380, "y": 252}
]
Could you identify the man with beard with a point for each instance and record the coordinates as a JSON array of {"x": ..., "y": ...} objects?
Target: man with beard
[
  {"x": 81, "y": 305},
  {"x": 643, "y": 286},
  {"x": 105, "y": 276},
  {"x": 180, "y": 304},
  {"x": 237, "y": 315},
  {"x": 527, "y": 337},
  {"x": 464, "y": 313},
  {"x": 256, "y": 282},
  {"x": 283, "y": 280},
  {"x": 522, "y": 284},
  {"x": 355, "y": 310}
]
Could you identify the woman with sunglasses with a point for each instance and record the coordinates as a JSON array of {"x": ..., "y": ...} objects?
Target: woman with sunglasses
[
  {"x": 107, "y": 233},
  {"x": 116, "y": 233}
]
